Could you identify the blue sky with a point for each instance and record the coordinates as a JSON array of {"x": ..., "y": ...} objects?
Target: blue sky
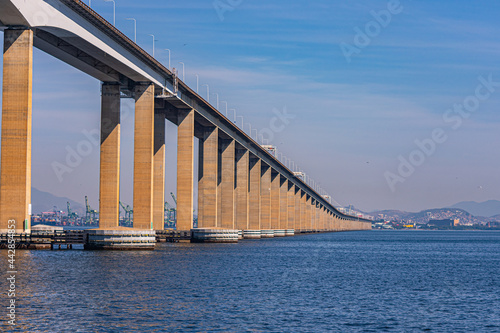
[{"x": 352, "y": 120}]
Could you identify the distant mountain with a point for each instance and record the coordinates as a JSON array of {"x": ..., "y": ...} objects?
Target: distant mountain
[
  {"x": 44, "y": 202},
  {"x": 394, "y": 214},
  {"x": 487, "y": 208}
]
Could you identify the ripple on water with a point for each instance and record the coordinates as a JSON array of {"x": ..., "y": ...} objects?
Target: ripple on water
[{"x": 357, "y": 282}]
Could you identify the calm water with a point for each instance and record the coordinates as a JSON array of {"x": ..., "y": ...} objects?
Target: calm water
[{"x": 343, "y": 282}]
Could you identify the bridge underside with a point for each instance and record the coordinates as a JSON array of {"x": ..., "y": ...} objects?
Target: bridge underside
[{"x": 241, "y": 186}]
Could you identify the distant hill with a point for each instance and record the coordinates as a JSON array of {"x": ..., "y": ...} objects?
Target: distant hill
[
  {"x": 44, "y": 201},
  {"x": 496, "y": 218},
  {"x": 425, "y": 215},
  {"x": 486, "y": 208}
]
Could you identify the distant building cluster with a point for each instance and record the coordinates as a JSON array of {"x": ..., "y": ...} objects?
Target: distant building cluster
[{"x": 436, "y": 224}]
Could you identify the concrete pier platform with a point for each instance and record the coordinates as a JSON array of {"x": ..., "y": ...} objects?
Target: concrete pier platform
[
  {"x": 251, "y": 234},
  {"x": 119, "y": 238},
  {"x": 214, "y": 235}
]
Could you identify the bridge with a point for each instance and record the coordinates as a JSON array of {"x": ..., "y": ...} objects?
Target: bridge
[{"x": 241, "y": 186}]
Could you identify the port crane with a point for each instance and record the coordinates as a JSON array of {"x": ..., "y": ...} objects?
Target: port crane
[
  {"x": 128, "y": 214},
  {"x": 72, "y": 216},
  {"x": 89, "y": 212},
  {"x": 57, "y": 214},
  {"x": 171, "y": 215}
]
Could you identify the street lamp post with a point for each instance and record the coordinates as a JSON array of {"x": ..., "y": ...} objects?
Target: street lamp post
[
  {"x": 135, "y": 27},
  {"x": 114, "y": 10},
  {"x": 217, "y": 95},
  {"x": 234, "y": 119},
  {"x": 208, "y": 92},
  {"x": 256, "y": 135},
  {"x": 226, "y": 106},
  {"x": 183, "y": 76},
  {"x": 153, "y": 44},
  {"x": 241, "y": 121},
  {"x": 197, "y": 82},
  {"x": 168, "y": 58}
]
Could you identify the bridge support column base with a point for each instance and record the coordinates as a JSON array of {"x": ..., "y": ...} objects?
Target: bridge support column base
[
  {"x": 267, "y": 233},
  {"x": 251, "y": 234},
  {"x": 280, "y": 233},
  {"x": 120, "y": 239},
  {"x": 214, "y": 235}
]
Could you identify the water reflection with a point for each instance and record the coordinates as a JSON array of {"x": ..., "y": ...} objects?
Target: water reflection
[{"x": 342, "y": 282}]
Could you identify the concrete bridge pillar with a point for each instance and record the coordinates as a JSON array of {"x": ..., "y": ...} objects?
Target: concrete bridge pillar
[
  {"x": 317, "y": 212},
  {"x": 15, "y": 178},
  {"x": 329, "y": 221},
  {"x": 309, "y": 225},
  {"x": 265, "y": 202},
  {"x": 254, "y": 199},
  {"x": 313, "y": 214},
  {"x": 109, "y": 180},
  {"x": 291, "y": 206},
  {"x": 227, "y": 183},
  {"x": 317, "y": 221},
  {"x": 303, "y": 210},
  {"x": 275, "y": 204},
  {"x": 325, "y": 219},
  {"x": 283, "y": 203},
  {"x": 242, "y": 177},
  {"x": 207, "y": 183},
  {"x": 143, "y": 156},
  {"x": 314, "y": 211},
  {"x": 321, "y": 217},
  {"x": 185, "y": 170},
  {"x": 298, "y": 217},
  {"x": 159, "y": 172}
]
